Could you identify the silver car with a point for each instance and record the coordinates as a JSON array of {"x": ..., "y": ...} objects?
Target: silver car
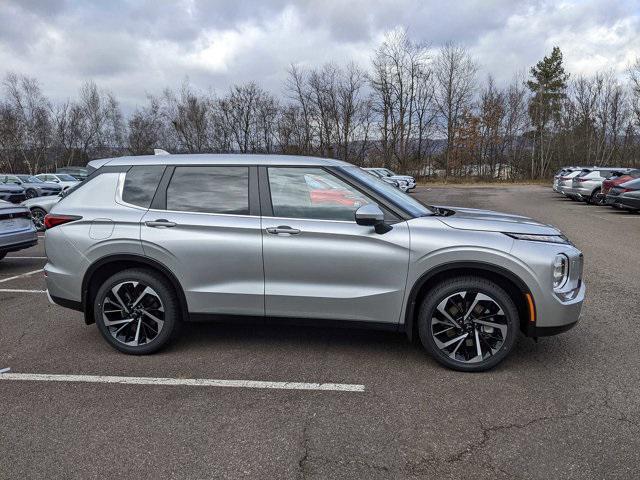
[
  {"x": 16, "y": 230},
  {"x": 588, "y": 183},
  {"x": 148, "y": 242},
  {"x": 385, "y": 172},
  {"x": 39, "y": 207}
]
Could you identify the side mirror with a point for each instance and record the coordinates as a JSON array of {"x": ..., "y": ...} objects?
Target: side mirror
[{"x": 371, "y": 215}]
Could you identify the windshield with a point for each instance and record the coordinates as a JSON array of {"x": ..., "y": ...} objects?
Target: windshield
[
  {"x": 391, "y": 193},
  {"x": 65, "y": 178}
]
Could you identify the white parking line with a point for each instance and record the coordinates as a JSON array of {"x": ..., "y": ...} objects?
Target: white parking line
[
  {"x": 186, "y": 382},
  {"x": 19, "y": 290},
  {"x": 21, "y": 275},
  {"x": 30, "y": 258}
]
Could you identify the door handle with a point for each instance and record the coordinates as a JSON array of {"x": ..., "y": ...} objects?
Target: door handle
[
  {"x": 283, "y": 229},
  {"x": 160, "y": 223}
]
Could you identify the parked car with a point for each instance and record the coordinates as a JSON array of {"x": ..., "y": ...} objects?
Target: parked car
[
  {"x": 587, "y": 184},
  {"x": 33, "y": 186},
  {"x": 560, "y": 173},
  {"x": 565, "y": 183},
  {"x": 399, "y": 184},
  {"x": 16, "y": 230},
  {"x": 147, "y": 242},
  {"x": 79, "y": 173},
  {"x": 615, "y": 181},
  {"x": 385, "y": 172},
  {"x": 626, "y": 195},
  {"x": 64, "y": 180},
  {"x": 10, "y": 192},
  {"x": 563, "y": 171},
  {"x": 39, "y": 207}
]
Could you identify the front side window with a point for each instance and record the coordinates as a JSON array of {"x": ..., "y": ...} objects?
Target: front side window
[
  {"x": 66, "y": 178},
  {"x": 140, "y": 184},
  {"x": 223, "y": 190},
  {"x": 313, "y": 193}
]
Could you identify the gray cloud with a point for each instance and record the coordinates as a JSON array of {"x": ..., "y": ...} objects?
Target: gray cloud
[{"x": 135, "y": 47}]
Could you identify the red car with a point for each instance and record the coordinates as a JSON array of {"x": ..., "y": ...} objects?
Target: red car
[
  {"x": 325, "y": 192},
  {"x": 615, "y": 181}
]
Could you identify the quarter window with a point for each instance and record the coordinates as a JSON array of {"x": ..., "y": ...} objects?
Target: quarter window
[
  {"x": 140, "y": 184},
  {"x": 210, "y": 190},
  {"x": 313, "y": 193}
]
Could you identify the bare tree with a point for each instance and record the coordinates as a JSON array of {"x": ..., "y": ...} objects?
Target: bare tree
[
  {"x": 25, "y": 123},
  {"x": 455, "y": 76}
]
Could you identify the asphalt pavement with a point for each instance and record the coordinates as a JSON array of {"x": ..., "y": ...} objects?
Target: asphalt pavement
[{"x": 567, "y": 407}]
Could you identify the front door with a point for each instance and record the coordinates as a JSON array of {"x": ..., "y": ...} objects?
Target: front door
[{"x": 318, "y": 262}]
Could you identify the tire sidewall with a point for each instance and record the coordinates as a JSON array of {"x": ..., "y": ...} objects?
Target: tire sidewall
[
  {"x": 167, "y": 297},
  {"x": 439, "y": 293}
]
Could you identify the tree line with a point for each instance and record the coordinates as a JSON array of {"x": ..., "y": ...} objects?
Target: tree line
[{"x": 413, "y": 110}]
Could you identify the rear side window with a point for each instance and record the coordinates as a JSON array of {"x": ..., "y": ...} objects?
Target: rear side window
[
  {"x": 141, "y": 183},
  {"x": 209, "y": 190}
]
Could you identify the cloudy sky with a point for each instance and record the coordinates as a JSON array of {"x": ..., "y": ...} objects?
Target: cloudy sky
[{"x": 134, "y": 47}]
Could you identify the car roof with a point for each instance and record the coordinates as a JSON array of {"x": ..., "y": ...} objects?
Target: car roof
[{"x": 218, "y": 159}]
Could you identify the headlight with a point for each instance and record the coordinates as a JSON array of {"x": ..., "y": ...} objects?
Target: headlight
[
  {"x": 539, "y": 238},
  {"x": 560, "y": 271}
]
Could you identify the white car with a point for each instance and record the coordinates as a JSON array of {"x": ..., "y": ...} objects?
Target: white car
[
  {"x": 385, "y": 172},
  {"x": 62, "y": 179}
]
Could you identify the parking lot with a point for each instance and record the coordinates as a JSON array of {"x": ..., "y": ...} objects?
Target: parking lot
[{"x": 566, "y": 407}]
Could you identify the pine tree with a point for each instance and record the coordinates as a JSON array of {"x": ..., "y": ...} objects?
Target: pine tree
[{"x": 548, "y": 85}]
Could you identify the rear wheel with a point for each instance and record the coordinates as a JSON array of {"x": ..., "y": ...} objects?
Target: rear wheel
[
  {"x": 468, "y": 323},
  {"x": 37, "y": 217},
  {"x": 137, "y": 311},
  {"x": 594, "y": 200}
]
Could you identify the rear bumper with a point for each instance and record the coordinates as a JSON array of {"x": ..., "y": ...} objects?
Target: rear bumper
[{"x": 12, "y": 242}]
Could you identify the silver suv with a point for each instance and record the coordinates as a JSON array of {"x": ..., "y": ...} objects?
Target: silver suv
[{"x": 146, "y": 243}]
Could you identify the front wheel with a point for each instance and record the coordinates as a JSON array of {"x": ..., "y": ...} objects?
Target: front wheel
[
  {"x": 468, "y": 323},
  {"x": 31, "y": 193},
  {"x": 136, "y": 311}
]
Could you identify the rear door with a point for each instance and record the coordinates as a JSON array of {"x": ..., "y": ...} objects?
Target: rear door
[
  {"x": 318, "y": 262},
  {"x": 204, "y": 224}
]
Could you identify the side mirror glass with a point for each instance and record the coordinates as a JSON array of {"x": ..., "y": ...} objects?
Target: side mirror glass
[{"x": 371, "y": 215}]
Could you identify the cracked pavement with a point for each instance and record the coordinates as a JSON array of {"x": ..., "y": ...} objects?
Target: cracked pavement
[{"x": 565, "y": 408}]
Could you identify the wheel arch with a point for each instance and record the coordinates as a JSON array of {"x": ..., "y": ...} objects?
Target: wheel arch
[
  {"x": 104, "y": 267},
  {"x": 508, "y": 280}
]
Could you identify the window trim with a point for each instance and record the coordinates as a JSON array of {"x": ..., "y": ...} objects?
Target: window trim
[
  {"x": 159, "y": 202},
  {"x": 120, "y": 187},
  {"x": 391, "y": 214}
]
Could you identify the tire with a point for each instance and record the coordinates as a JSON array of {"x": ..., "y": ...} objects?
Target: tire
[
  {"x": 497, "y": 334},
  {"x": 31, "y": 193},
  {"x": 37, "y": 217},
  {"x": 593, "y": 199},
  {"x": 136, "y": 336}
]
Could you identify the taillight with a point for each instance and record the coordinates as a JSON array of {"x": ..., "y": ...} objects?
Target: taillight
[{"x": 52, "y": 220}]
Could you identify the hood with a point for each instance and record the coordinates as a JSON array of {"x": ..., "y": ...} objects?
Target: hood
[{"x": 489, "y": 221}]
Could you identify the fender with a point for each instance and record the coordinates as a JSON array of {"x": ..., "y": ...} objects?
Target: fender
[
  {"x": 132, "y": 257},
  {"x": 428, "y": 275}
]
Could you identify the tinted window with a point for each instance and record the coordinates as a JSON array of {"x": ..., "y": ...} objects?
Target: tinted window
[
  {"x": 209, "y": 190},
  {"x": 140, "y": 184},
  {"x": 313, "y": 193}
]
